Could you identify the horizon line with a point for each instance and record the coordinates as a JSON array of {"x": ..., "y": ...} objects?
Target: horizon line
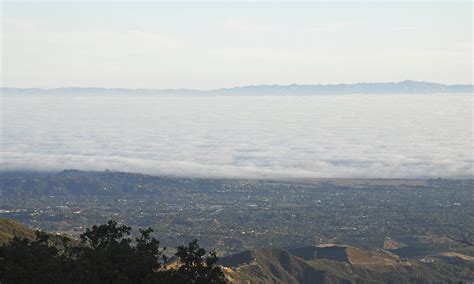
[
  {"x": 288, "y": 178},
  {"x": 238, "y": 86}
]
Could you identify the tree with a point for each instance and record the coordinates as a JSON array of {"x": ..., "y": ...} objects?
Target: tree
[
  {"x": 36, "y": 261},
  {"x": 195, "y": 268},
  {"x": 106, "y": 254}
]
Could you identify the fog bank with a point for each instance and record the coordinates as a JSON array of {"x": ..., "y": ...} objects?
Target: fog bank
[{"x": 391, "y": 136}]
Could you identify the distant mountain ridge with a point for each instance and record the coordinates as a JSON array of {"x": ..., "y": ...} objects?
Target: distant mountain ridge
[{"x": 403, "y": 87}]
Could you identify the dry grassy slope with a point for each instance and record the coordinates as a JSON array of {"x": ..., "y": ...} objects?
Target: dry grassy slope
[
  {"x": 451, "y": 256},
  {"x": 272, "y": 266},
  {"x": 349, "y": 254},
  {"x": 10, "y": 228},
  {"x": 360, "y": 257},
  {"x": 333, "y": 264}
]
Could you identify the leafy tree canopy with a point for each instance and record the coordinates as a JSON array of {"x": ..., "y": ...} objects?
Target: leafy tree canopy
[{"x": 106, "y": 254}]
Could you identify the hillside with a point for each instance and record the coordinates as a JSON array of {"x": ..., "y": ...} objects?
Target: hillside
[
  {"x": 328, "y": 263},
  {"x": 349, "y": 254},
  {"x": 10, "y": 228},
  {"x": 338, "y": 264}
]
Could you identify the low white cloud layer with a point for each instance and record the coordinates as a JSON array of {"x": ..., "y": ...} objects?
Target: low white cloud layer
[{"x": 401, "y": 136}]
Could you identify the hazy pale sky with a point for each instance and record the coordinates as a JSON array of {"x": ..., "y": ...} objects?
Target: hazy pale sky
[{"x": 211, "y": 45}]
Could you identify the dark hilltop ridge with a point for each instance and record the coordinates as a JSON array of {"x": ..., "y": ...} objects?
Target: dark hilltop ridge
[{"x": 403, "y": 87}]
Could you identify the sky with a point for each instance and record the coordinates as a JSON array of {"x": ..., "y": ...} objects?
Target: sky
[{"x": 207, "y": 45}]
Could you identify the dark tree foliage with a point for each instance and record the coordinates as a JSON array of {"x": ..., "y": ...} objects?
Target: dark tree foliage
[
  {"x": 193, "y": 269},
  {"x": 22, "y": 261},
  {"x": 106, "y": 254}
]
